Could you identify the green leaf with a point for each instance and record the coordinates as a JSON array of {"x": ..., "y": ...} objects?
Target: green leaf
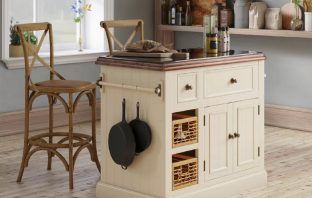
[{"x": 77, "y": 19}]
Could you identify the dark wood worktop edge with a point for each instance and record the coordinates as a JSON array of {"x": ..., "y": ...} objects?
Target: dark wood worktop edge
[{"x": 170, "y": 66}]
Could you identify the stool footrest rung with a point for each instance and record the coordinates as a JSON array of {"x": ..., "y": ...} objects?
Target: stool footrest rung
[{"x": 78, "y": 138}]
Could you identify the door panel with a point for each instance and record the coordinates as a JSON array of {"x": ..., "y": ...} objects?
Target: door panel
[
  {"x": 245, "y": 124},
  {"x": 218, "y": 147}
]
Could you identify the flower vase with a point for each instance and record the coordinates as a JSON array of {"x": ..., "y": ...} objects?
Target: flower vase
[
  {"x": 296, "y": 22},
  {"x": 80, "y": 43}
]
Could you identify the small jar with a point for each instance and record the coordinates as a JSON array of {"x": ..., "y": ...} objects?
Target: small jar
[{"x": 212, "y": 43}]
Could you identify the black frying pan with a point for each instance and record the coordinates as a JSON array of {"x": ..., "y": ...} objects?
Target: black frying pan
[
  {"x": 121, "y": 141},
  {"x": 142, "y": 132}
]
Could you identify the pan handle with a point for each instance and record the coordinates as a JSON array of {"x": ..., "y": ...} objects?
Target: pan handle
[
  {"x": 124, "y": 109},
  {"x": 138, "y": 110}
]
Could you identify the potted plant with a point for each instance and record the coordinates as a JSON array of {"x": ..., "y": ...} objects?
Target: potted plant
[{"x": 16, "y": 48}]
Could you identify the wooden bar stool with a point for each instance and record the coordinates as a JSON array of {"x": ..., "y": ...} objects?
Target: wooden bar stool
[
  {"x": 138, "y": 25},
  {"x": 53, "y": 141}
]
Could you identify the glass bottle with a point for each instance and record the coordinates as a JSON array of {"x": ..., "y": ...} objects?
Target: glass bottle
[
  {"x": 164, "y": 12},
  {"x": 209, "y": 28},
  {"x": 179, "y": 16},
  {"x": 216, "y": 8},
  {"x": 222, "y": 40},
  {"x": 172, "y": 13},
  {"x": 228, "y": 39},
  {"x": 188, "y": 14}
]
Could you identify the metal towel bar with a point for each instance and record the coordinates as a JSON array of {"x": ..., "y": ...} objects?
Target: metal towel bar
[{"x": 156, "y": 90}]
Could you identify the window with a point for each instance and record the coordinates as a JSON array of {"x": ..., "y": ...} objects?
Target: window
[
  {"x": 59, "y": 13},
  {"x": 56, "y": 12}
]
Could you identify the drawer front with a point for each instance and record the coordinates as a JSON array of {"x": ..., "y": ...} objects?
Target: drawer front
[
  {"x": 230, "y": 81},
  {"x": 187, "y": 87}
]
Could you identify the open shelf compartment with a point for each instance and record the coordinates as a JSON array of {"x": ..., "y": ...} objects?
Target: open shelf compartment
[
  {"x": 184, "y": 128},
  {"x": 184, "y": 170}
]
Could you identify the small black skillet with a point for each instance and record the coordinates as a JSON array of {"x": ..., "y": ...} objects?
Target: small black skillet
[
  {"x": 121, "y": 141},
  {"x": 141, "y": 131}
]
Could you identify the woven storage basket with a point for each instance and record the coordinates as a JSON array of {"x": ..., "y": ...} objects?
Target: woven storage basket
[
  {"x": 184, "y": 171},
  {"x": 184, "y": 130}
]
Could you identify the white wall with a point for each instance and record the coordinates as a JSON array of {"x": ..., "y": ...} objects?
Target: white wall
[{"x": 12, "y": 81}]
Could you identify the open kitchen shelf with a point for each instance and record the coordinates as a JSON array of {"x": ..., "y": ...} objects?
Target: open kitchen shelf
[{"x": 239, "y": 31}]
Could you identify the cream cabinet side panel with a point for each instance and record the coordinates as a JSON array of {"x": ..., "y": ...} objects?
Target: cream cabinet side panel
[
  {"x": 147, "y": 173},
  {"x": 262, "y": 106}
]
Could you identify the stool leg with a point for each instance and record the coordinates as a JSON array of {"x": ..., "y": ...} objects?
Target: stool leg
[
  {"x": 94, "y": 130},
  {"x": 50, "y": 131},
  {"x": 26, "y": 141},
  {"x": 70, "y": 140}
]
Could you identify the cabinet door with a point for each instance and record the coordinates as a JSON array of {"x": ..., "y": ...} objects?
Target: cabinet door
[
  {"x": 246, "y": 120},
  {"x": 218, "y": 146}
]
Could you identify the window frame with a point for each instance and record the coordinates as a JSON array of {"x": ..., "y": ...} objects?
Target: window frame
[{"x": 61, "y": 57}]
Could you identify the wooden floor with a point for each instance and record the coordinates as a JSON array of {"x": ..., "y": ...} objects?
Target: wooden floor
[{"x": 288, "y": 163}]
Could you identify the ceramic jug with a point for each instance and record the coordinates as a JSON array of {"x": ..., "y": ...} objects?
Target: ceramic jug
[
  {"x": 241, "y": 12},
  {"x": 273, "y": 19},
  {"x": 256, "y": 15}
]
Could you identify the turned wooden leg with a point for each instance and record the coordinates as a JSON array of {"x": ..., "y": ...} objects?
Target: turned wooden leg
[
  {"x": 26, "y": 142},
  {"x": 70, "y": 140},
  {"x": 94, "y": 130},
  {"x": 50, "y": 155}
]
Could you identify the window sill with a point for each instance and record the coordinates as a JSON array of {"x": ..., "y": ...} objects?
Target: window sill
[{"x": 60, "y": 58}]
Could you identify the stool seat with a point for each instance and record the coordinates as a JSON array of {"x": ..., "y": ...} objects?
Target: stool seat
[{"x": 63, "y": 86}]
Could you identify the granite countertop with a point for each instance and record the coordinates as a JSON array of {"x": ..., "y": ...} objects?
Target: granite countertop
[{"x": 197, "y": 59}]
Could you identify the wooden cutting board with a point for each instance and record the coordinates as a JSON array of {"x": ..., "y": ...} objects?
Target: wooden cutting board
[
  {"x": 288, "y": 13},
  {"x": 140, "y": 54}
]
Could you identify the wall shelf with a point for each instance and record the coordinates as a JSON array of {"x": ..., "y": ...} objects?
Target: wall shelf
[{"x": 238, "y": 31}]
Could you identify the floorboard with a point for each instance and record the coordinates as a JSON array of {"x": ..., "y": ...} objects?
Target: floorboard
[{"x": 288, "y": 161}]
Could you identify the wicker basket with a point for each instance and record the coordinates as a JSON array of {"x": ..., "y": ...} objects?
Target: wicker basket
[
  {"x": 184, "y": 130},
  {"x": 184, "y": 171}
]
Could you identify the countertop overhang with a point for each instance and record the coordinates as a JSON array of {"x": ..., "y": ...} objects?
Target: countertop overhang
[{"x": 170, "y": 64}]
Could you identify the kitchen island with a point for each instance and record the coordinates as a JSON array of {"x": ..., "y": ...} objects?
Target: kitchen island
[{"x": 206, "y": 115}]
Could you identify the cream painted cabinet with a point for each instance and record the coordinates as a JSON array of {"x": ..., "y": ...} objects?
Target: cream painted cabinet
[
  {"x": 231, "y": 138},
  {"x": 207, "y": 123}
]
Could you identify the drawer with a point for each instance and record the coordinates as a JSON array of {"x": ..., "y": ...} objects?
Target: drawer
[
  {"x": 187, "y": 87},
  {"x": 230, "y": 81}
]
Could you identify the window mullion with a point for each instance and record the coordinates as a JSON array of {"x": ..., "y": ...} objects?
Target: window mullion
[{"x": 35, "y": 11}]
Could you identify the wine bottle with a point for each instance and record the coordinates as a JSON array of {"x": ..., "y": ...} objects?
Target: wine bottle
[
  {"x": 172, "y": 12},
  {"x": 179, "y": 16},
  {"x": 188, "y": 14},
  {"x": 164, "y": 12}
]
